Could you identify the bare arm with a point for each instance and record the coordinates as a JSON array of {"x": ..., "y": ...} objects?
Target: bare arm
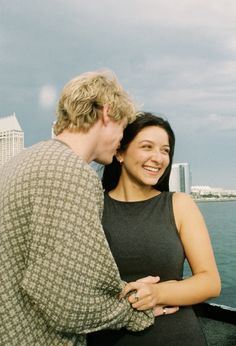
[{"x": 204, "y": 282}]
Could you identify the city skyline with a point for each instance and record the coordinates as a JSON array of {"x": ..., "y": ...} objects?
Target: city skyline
[
  {"x": 12, "y": 142},
  {"x": 176, "y": 59}
]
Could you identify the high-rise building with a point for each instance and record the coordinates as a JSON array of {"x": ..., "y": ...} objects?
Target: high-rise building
[
  {"x": 180, "y": 178},
  {"x": 11, "y": 138}
]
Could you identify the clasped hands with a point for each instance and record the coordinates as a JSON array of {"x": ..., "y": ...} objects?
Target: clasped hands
[{"x": 142, "y": 296}]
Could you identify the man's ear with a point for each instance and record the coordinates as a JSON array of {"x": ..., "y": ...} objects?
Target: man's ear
[{"x": 105, "y": 114}]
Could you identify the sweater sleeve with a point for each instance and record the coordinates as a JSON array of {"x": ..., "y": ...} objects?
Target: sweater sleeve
[{"x": 71, "y": 276}]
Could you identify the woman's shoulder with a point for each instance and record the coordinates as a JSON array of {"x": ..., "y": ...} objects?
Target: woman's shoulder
[
  {"x": 184, "y": 208},
  {"x": 182, "y": 200},
  {"x": 182, "y": 197}
]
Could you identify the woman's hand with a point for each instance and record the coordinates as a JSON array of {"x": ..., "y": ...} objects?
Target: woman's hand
[
  {"x": 128, "y": 287},
  {"x": 149, "y": 279},
  {"x": 143, "y": 294},
  {"x": 160, "y": 310}
]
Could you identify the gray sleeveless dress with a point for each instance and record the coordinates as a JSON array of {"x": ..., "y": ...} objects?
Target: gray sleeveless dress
[{"x": 144, "y": 241}]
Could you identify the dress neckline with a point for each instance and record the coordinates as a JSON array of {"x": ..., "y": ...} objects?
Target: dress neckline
[{"x": 134, "y": 202}]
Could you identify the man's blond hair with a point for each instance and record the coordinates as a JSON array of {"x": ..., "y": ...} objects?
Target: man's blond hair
[{"x": 83, "y": 98}]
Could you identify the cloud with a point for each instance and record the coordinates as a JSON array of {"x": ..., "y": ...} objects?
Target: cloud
[
  {"x": 207, "y": 126},
  {"x": 203, "y": 14},
  {"x": 47, "y": 96},
  {"x": 221, "y": 123},
  {"x": 177, "y": 58}
]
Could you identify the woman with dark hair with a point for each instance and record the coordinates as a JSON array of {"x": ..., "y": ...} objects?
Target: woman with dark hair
[
  {"x": 151, "y": 231},
  {"x": 112, "y": 172}
]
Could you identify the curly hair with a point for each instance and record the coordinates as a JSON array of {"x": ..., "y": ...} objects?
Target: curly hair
[{"x": 83, "y": 98}]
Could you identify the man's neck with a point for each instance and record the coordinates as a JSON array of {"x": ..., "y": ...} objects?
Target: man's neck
[{"x": 82, "y": 143}]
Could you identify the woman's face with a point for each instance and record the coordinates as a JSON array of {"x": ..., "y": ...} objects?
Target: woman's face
[{"x": 147, "y": 156}]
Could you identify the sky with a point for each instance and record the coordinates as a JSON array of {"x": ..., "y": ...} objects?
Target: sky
[{"x": 177, "y": 58}]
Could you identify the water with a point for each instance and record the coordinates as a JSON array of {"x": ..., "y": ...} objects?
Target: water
[{"x": 220, "y": 218}]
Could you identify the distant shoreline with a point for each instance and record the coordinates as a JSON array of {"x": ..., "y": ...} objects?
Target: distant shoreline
[{"x": 212, "y": 199}]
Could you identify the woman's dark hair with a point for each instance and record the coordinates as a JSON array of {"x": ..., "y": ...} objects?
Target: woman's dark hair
[{"x": 112, "y": 172}]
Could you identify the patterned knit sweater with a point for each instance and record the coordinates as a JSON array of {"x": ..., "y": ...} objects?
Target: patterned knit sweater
[{"x": 58, "y": 278}]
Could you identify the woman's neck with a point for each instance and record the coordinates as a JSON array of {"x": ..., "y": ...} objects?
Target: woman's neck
[{"x": 129, "y": 192}]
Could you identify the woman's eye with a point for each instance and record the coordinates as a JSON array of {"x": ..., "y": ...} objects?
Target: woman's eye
[{"x": 146, "y": 146}]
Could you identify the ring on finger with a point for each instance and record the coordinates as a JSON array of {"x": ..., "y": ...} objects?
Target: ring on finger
[
  {"x": 136, "y": 297},
  {"x": 164, "y": 311}
]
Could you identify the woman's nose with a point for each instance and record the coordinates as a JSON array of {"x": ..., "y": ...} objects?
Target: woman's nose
[{"x": 157, "y": 156}]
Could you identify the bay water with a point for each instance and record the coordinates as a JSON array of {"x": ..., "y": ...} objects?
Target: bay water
[{"x": 220, "y": 218}]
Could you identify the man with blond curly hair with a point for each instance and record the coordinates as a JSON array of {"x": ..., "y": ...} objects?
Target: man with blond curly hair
[{"x": 59, "y": 280}]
